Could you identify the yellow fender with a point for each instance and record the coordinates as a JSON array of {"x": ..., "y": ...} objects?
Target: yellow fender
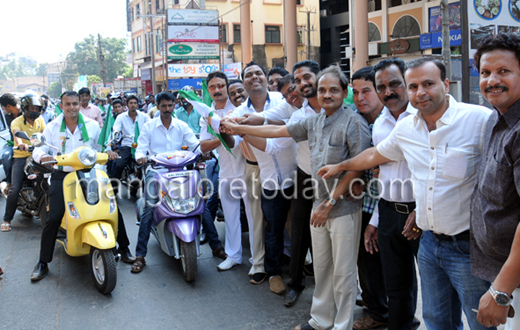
[{"x": 99, "y": 234}]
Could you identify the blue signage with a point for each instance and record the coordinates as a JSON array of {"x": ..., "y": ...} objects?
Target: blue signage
[
  {"x": 145, "y": 74},
  {"x": 434, "y": 40},
  {"x": 176, "y": 84}
]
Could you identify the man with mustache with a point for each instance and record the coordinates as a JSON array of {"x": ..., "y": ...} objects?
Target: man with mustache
[
  {"x": 369, "y": 264},
  {"x": 158, "y": 135},
  {"x": 442, "y": 144},
  {"x": 237, "y": 92},
  {"x": 230, "y": 177},
  {"x": 495, "y": 217}
]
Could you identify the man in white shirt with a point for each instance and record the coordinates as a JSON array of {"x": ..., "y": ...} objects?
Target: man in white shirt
[
  {"x": 158, "y": 135},
  {"x": 276, "y": 177},
  {"x": 130, "y": 125},
  {"x": 231, "y": 176},
  {"x": 442, "y": 144},
  {"x": 68, "y": 131}
]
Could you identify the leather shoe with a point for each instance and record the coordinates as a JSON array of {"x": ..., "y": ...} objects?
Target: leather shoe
[
  {"x": 39, "y": 271},
  {"x": 276, "y": 284},
  {"x": 258, "y": 278},
  {"x": 219, "y": 252},
  {"x": 203, "y": 238},
  {"x": 126, "y": 255},
  {"x": 291, "y": 297},
  {"x": 227, "y": 264}
]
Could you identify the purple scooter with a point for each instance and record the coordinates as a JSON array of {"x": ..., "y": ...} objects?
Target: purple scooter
[{"x": 178, "y": 214}]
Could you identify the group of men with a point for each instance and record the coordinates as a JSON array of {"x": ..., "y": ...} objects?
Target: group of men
[{"x": 411, "y": 175}]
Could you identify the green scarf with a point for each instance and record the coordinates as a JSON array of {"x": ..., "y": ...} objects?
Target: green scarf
[{"x": 81, "y": 126}]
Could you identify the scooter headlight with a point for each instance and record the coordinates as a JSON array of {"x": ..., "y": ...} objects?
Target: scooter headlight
[
  {"x": 87, "y": 156},
  {"x": 183, "y": 206}
]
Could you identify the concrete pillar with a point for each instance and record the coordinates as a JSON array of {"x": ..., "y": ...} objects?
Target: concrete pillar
[
  {"x": 245, "y": 32},
  {"x": 360, "y": 34},
  {"x": 291, "y": 37}
]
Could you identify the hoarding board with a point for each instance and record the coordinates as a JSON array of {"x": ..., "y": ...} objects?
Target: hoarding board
[
  {"x": 435, "y": 17},
  {"x": 192, "y": 16},
  {"x": 233, "y": 70},
  {"x": 193, "y": 33},
  {"x": 193, "y": 51},
  {"x": 175, "y": 84},
  {"x": 190, "y": 70}
]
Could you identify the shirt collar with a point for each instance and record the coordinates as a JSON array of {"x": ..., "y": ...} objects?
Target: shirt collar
[
  {"x": 228, "y": 106},
  {"x": 448, "y": 116},
  {"x": 249, "y": 104},
  {"x": 512, "y": 115},
  {"x": 158, "y": 122}
]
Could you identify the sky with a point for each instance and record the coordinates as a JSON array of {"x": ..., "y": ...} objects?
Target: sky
[{"x": 46, "y": 29}]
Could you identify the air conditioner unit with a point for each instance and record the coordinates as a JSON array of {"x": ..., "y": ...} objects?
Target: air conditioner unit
[
  {"x": 323, "y": 13},
  {"x": 372, "y": 49}
]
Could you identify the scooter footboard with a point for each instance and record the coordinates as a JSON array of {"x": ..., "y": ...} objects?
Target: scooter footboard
[
  {"x": 185, "y": 229},
  {"x": 99, "y": 234}
]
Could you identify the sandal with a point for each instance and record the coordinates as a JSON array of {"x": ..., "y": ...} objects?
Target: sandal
[
  {"x": 304, "y": 326},
  {"x": 138, "y": 265},
  {"x": 6, "y": 226}
]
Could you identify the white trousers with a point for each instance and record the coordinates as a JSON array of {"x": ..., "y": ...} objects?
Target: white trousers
[
  {"x": 256, "y": 222},
  {"x": 514, "y": 323},
  {"x": 334, "y": 249},
  {"x": 231, "y": 191}
]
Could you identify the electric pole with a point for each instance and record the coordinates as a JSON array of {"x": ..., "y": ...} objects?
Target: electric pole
[
  {"x": 101, "y": 62},
  {"x": 446, "y": 50},
  {"x": 309, "y": 30}
]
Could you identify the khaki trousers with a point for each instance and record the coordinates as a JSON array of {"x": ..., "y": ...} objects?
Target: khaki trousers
[{"x": 256, "y": 221}]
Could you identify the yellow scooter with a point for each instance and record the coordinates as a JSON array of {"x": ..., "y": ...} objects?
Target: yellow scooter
[{"x": 90, "y": 219}]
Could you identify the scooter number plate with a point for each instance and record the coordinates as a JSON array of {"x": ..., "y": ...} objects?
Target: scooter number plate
[{"x": 177, "y": 174}]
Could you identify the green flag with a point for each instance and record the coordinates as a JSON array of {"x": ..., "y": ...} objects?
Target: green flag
[
  {"x": 136, "y": 136},
  {"x": 104, "y": 136},
  {"x": 206, "y": 98},
  {"x": 57, "y": 110}
]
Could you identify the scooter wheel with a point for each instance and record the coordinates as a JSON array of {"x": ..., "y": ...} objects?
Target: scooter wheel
[
  {"x": 189, "y": 261},
  {"x": 103, "y": 269}
]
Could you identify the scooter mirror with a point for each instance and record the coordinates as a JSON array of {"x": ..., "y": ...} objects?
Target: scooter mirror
[
  {"x": 22, "y": 135},
  {"x": 37, "y": 139},
  {"x": 117, "y": 136}
]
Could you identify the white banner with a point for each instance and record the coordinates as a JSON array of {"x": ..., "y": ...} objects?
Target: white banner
[
  {"x": 193, "y": 51},
  {"x": 190, "y": 70},
  {"x": 192, "y": 33},
  {"x": 192, "y": 16}
]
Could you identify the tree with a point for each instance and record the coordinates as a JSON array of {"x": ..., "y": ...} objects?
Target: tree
[
  {"x": 54, "y": 90},
  {"x": 11, "y": 70},
  {"x": 84, "y": 59},
  {"x": 129, "y": 73}
]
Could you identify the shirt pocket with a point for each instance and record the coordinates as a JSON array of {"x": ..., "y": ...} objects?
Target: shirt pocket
[
  {"x": 458, "y": 164},
  {"x": 496, "y": 183},
  {"x": 337, "y": 149}
]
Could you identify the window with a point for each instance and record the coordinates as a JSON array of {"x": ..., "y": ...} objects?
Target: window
[
  {"x": 157, "y": 6},
  {"x": 299, "y": 2},
  {"x": 406, "y": 26},
  {"x": 158, "y": 40},
  {"x": 133, "y": 45},
  {"x": 139, "y": 44},
  {"x": 223, "y": 33},
  {"x": 373, "y": 32},
  {"x": 132, "y": 14},
  {"x": 272, "y": 34},
  {"x": 137, "y": 11},
  {"x": 236, "y": 33}
]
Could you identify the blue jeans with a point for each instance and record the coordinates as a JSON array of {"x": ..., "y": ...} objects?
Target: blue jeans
[
  {"x": 447, "y": 284},
  {"x": 275, "y": 207},
  {"x": 7, "y": 161},
  {"x": 208, "y": 220},
  {"x": 150, "y": 199}
]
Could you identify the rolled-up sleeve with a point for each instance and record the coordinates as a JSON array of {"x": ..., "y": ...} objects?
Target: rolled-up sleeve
[{"x": 389, "y": 147}]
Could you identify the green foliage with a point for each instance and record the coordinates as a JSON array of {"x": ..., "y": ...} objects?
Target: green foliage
[
  {"x": 54, "y": 89},
  {"x": 129, "y": 73},
  {"x": 13, "y": 69},
  {"x": 93, "y": 79},
  {"x": 84, "y": 60}
]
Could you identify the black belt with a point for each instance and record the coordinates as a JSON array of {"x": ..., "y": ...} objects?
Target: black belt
[
  {"x": 251, "y": 163},
  {"x": 403, "y": 208},
  {"x": 464, "y": 236}
]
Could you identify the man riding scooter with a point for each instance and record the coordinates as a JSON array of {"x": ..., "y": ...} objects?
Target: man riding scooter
[
  {"x": 67, "y": 132},
  {"x": 161, "y": 134},
  {"x": 31, "y": 122}
]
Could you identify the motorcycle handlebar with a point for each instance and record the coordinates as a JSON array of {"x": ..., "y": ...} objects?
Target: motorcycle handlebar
[{"x": 31, "y": 148}]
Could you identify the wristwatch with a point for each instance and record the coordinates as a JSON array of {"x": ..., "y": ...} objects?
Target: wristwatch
[
  {"x": 332, "y": 200},
  {"x": 501, "y": 298}
]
